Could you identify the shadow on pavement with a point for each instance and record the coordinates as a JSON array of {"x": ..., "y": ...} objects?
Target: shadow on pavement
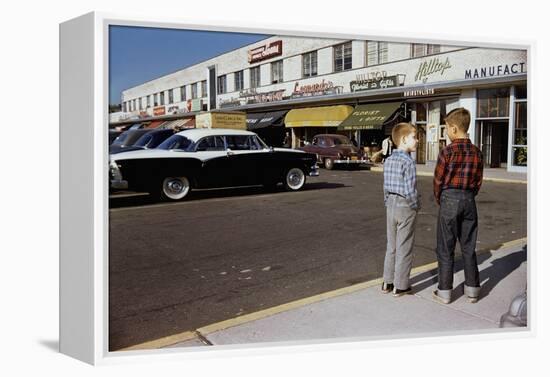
[
  {"x": 145, "y": 199},
  {"x": 489, "y": 277}
]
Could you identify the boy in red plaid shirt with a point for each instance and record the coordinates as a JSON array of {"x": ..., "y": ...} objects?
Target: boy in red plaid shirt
[{"x": 457, "y": 180}]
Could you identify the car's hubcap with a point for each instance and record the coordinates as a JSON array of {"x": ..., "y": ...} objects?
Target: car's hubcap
[
  {"x": 176, "y": 188},
  {"x": 295, "y": 178}
]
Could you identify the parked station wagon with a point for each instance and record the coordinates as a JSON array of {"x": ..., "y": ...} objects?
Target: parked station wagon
[
  {"x": 210, "y": 158},
  {"x": 334, "y": 149}
]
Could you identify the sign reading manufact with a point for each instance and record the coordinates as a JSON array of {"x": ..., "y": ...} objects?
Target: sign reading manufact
[{"x": 265, "y": 52}]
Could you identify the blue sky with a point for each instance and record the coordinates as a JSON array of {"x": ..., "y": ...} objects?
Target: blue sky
[{"x": 139, "y": 54}]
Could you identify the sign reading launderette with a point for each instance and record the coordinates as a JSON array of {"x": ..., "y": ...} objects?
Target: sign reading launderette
[{"x": 265, "y": 52}]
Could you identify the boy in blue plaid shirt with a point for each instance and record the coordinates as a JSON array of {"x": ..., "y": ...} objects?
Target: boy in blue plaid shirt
[{"x": 402, "y": 205}]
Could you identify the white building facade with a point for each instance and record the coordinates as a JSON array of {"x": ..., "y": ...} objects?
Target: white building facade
[{"x": 282, "y": 73}]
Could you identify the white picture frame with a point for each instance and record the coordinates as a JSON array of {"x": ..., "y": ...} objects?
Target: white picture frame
[{"x": 84, "y": 180}]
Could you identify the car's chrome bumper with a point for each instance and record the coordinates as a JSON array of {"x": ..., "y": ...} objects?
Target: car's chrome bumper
[
  {"x": 119, "y": 184},
  {"x": 314, "y": 172},
  {"x": 352, "y": 162}
]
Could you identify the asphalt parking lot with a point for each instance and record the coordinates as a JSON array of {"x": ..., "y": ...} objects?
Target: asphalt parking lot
[{"x": 174, "y": 267}]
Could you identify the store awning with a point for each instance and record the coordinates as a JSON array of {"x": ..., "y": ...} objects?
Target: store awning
[
  {"x": 369, "y": 117},
  {"x": 328, "y": 116},
  {"x": 154, "y": 124},
  {"x": 179, "y": 124},
  {"x": 257, "y": 121}
]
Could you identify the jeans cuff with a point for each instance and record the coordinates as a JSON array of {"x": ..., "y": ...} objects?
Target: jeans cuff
[{"x": 471, "y": 291}]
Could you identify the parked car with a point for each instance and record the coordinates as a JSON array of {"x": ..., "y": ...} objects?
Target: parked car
[
  {"x": 149, "y": 140},
  {"x": 210, "y": 158},
  {"x": 127, "y": 139},
  {"x": 334, "y": 149},
  {"x": 113, "y": 134}
]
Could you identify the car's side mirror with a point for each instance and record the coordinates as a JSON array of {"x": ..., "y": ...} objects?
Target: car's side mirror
[{"x": 229, "y": 152}]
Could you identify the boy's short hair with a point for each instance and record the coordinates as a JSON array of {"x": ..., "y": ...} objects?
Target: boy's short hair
[
  {"x": 460, "y": 118},
  {"x": 400, "y": 131}
]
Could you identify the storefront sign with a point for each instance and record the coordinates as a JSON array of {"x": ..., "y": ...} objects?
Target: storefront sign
[
  {"x": 159, "y": 110},
  {"x": 318, "y": 89},
  {"x": 432, "y": 67},
  {"x": 221, "y": 120},
  {"x": 252, "y": 96},
  {"x": 495, "y": 70},
  {"x": 173, "y": 109},
  {"x": 419, "y": 92},
  {"x": 376, "y": 83},
  {"x": 143, "y": 114},
  {"x": 265, "y": 52},
  {"x": 232, "y": 102}
]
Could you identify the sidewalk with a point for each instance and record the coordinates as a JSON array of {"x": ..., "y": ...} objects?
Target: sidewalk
[
  {"x": 362, "y": 312},
  {"x": 489, "y": 174}
]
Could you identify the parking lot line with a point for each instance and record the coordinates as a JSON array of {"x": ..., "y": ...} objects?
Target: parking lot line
[{"x": 232, "y": 322}]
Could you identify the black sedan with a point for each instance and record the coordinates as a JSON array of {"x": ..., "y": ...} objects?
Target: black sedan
[
  {"x": 149, "y": 140},
  {"x": 127, "y": 139},
  {"x": 210, "y": 158}
]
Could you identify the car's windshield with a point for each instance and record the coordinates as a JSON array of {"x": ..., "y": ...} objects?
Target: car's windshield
[
  {"x": 144, "y": 140},
  {"x": 175, "y": 142},
  {"x": 342, "y": 140}
]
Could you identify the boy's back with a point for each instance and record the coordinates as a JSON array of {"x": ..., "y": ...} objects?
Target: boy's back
[{"x": 459, "y": 166}]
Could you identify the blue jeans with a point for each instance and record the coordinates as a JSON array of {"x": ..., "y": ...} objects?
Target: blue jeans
[{"x": 457, "y": 220}]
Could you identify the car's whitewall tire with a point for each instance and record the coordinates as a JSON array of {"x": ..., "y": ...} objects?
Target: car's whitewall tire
[
  {"x": 175, "y": 188},
  {"x": 295, "y": 179}
]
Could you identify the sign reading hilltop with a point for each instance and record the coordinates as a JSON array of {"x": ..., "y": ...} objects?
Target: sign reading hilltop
[
  {"x": 432, "y": 67},
  {"x": 265, "y": 52}
]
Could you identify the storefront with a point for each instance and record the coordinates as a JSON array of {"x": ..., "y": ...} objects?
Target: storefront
[
  {"x": 269, "y": 126},
  {"x": 307, "y": 122}
]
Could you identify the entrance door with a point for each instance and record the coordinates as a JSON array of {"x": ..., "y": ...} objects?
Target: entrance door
[{"x": 495, "y": 143}]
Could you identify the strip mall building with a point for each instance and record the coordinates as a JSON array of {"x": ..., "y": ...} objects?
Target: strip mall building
[{"x": 301, "y": 87}]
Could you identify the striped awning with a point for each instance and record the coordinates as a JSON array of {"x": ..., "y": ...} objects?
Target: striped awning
[
  {"x": 179, "y": 124},
  {"x": 327, "y": 116},
  {"x": 153, "y": 124}
]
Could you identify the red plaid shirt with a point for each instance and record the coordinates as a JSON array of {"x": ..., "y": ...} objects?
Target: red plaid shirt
[{"x": 459, "y": 166}]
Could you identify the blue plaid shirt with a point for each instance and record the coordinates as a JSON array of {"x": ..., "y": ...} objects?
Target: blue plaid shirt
[{"x": 400, "y": 177}]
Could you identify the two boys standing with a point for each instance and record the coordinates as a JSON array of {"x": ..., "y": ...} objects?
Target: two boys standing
[{"x": 457, "y": 180}]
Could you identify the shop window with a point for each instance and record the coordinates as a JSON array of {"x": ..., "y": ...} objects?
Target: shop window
[
  {"x": 203, "y": 88},
  {"x": 521, "y": 92},
  {"x": 342, "y": 57},
  {"x": 519, "y": 146},
  {"x": 277, "y": 72},
  {"x": 222, "y": 84},
  {"x": 493, "y": 103},
  {"x": 239, "y": 80},
  {"x": 255, "y": 77},
  {"x": 377, "y": 52},
  {"x": 309, "y": 64}
]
